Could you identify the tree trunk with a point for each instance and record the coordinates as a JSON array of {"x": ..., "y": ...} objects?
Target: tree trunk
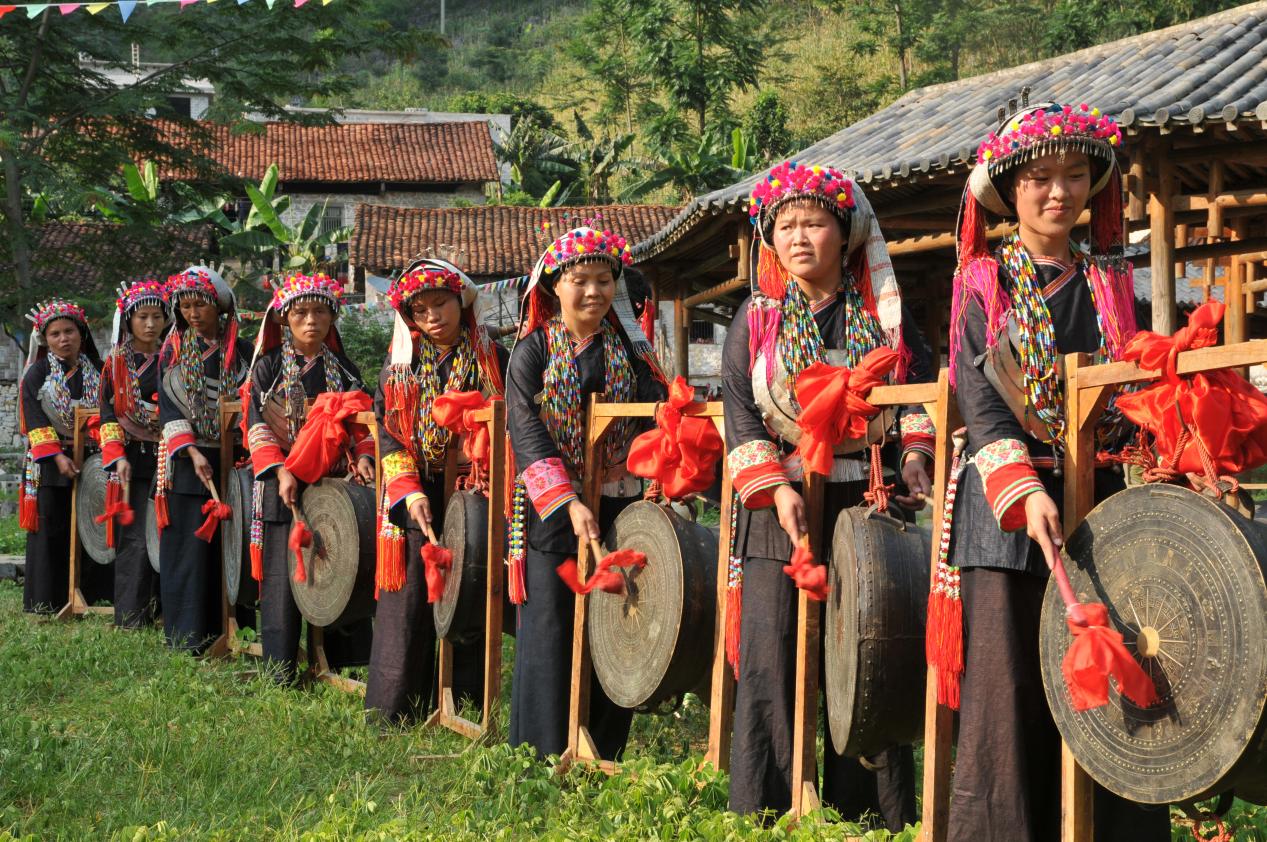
[{"x": 901, "y": 48}]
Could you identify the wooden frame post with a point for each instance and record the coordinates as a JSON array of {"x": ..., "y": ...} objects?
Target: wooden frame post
[
  {"x": 721, "y": 704},
  {"x": 681, "y": 333},
  {"x": 939, "y": 720},
  {"x": 226, "y": 645},
  {"x": 76, "y": 605},
  {"x": 446, "y": 713},
  {"x": 1161, "y": 221}
]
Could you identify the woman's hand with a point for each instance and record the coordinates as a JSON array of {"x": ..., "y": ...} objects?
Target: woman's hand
[
  {"x": 123, "y": 470},
  {"x": 1042, "y": 523},
  {"x": 287, "y": 487},
  {"x": 584, "y": 524},
  {"x": 201, "y": 466},
  {"x": 420, "y": 511},
  {"x": 915, "y": 476},
  {"x": 65, "y": 466},
  {"x": 365, "y": 470},
  {"x": 790, "y": 507}
]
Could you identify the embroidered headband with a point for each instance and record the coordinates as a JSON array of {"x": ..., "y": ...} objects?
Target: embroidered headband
[
  {"x": 47, "y": 312},
  {"x": 299, "y": 287},
  {"x": 585, "y": 244},
  {"x": 429, "y": 273},
  {"x": 1045, "y": 129},
  {"x": 789, "y": 182},
  {"x": 204, "y": 282},
  {"x": 149, "y": 292}
]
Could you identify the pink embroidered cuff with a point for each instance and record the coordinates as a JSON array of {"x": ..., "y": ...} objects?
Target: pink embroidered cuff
[
  {"x": 266, "y": 452},
  {"x": 755, "y": 472},
  {"x": 178, "y": 435},
  {"x": 1008, "y": 478},
  {"x": 918, "y": 434},
  {"x": 548, "y": 485}
]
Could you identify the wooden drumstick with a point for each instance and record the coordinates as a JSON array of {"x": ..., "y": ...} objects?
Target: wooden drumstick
[
  {"x": 431, "y": 533},
  {"x": 211, "y": 486},
  {"x": 595, "y": 550}
]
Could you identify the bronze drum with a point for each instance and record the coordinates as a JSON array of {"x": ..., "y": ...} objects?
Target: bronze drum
[
  {"x": 151, "y": 527},
  {"x": 874, "y": 664},
  {"x": 240, "y": 587},
  {"x": 655, "y": 642},
  {"x": 340, "y": 563},
  {"x": 459, "y": 612},
  {"x": 90, "y": 502},
  {"x": 1183, "y": 579}
]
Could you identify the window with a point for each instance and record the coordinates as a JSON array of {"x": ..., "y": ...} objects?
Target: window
[
  {"x": 333, "y": 219},
  {"x": 180, "y": 106},
  {"x": 702, "y": 332}
]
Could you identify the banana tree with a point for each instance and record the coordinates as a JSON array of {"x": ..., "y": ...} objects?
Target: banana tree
[{"x": 266, "y": 243}]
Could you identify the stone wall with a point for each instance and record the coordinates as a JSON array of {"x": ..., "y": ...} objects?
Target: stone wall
[{"x": 301, "y": 202}]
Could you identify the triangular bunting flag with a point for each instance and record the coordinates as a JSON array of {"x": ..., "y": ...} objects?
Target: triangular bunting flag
[
  {"x": 94, "y": 8},
  {"x": 67, "y": 8},
  {"x": 184, "y": 3},
  {"x": 270, "y": 3},
  {"x": 35, "y": 10},
  {"x": 125, "y": 9}
]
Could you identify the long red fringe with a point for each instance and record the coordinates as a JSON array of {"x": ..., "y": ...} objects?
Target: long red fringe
[
  {"x": 390, "y": 573},
  {"x": 161, "y": 516},
  {"x": 943, "y": 646},
  {"x": 29, "y": 513},
  {"x": 123, "y": 404},
  {"x": 257, "y": 562},
  {"x": 400, "y": 394},
  {"x": 300, "y": 537},
  {"x": 734, "y": 617},
  {"x": 516, "y": 587}
]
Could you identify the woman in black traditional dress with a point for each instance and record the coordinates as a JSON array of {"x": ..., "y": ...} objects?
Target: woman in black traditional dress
[
  {"x": 298, "y": 356},
  {"x": 825, "y": 289},
  {"x": 129, "y": 440},
  {"x": 63, "y": 372},
  {"x": 438, "y": 345},
  {"x": 578, "y": 337},
  {"x": 1037, "y": 296},
  {"x": 201, "y": 358}
]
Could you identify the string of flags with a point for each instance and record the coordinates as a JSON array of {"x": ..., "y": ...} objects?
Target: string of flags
[
  {"x": 125, "y": 7},
  {"x": 382, "y": 303}
]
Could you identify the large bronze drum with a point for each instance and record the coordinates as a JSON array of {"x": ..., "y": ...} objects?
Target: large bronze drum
[
  {"x": 1183, "y": 579},
  {"x": 90, "y": 502},
  {"x": 874, "y": 664},
  {"x": 459, "y": 612},
  {"x": 655, "y": 642},
  {"x": 240, "y": 587},
  {"x": 340, "y": 563}
]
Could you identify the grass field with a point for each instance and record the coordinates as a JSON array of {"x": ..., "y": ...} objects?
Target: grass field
[{"x": 107, "y": 735}]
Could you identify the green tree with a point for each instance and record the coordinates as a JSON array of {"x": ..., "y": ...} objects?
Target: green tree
[
  {"x": 538, "y": 157},
  {"x": 766, "y": 123},
  {"x": 601, "y": 159},
  {"x": 66, "y": 128},
  {"x": 614, "y": 60}
]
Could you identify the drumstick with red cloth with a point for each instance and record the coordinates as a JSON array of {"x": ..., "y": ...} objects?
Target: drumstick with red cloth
[
  {"x": 215, "y": 511},
  {"x": 606, "y": 576},
  {"x": 1097, "y": 651},
  {"x": 300, "y": 537},
  {"x": 117, "y": 511},
  {"x": 808, "y": 574},
  {"x": 437, "y": 560}
]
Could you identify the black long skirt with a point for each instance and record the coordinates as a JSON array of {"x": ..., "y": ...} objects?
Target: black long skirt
[
  {"x": 761, "y": 750},
  {"x": 135, "y": 582},
  {"x": 543, "y": 669},
  {"x": 190, "y": 581},
  {"x": 46, "y": 587}
]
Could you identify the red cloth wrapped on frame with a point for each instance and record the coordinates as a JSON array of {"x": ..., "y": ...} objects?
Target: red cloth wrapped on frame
[
  {"x": 323, "y": 438},
  {"x": 1223, "y": 411},
  {"x": 681, "y": 453},
  {"x": 834, "y": 405},
  {"x": 455, "y": 412}
]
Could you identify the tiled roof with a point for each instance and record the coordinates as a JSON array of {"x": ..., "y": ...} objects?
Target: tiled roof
[
  {"x": 495, "y": 240},
  {"x": 77, "y": 258},
  {"x": 1211, "y": 70},
  {"x": 356, "y": 153}
]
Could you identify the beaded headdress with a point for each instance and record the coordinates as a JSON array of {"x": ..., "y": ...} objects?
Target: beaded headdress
[
  {"x": 1032, "y": 132},
  {"x": 208, "y": 284},
  {"x": 299, "y": 287},
  {"x": 47, "y": 312},
  {"x": 792, "y": 182},
  {"x": 150, "y": 292}
]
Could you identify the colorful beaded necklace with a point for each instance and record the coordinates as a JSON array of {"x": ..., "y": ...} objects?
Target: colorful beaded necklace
[
  {"x": 206, "y": 422},
  {"x": 59, "y": 392},
  {"x": 800, "y": 342},
  {"x": 293, "y": 387},
  {"x": 1037, "y": 354},
  {"x": 432, "y": 439},
  {"x": 140, "y": 413},
  {"x": 561, "y": 387}
]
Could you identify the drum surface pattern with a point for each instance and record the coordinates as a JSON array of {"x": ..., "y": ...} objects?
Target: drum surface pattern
[
  {"x": 90, "y": 502},
  {"x": 340, "y": 563},
  {"x": 459, "y": 612}
]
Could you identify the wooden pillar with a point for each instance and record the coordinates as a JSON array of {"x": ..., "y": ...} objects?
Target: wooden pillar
[
  {"x": 1234, "y": 295},
  {"x": 1161, "y": 224},
  {"x": 1181, "y": 240},
  {"x": 1136, "y": 195},
  {"x": 682, "y": 333},
  {"x": 1213, "y": 223}
]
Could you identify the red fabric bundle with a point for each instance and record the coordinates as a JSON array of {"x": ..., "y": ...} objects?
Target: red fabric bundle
[
  {"x": 93, "y": 426},
  {"x": 1097, "y": 652},
  {"x": 437, "y": 560},
  {"x": 323, "y": 438},
  {"x": 300, "y": 537},
  {"x": 808, "y": 575},
  {"x": 455, "y": 412},
  {"x": 215, "y": 512},
  {"x": 681, "y": 453},
  {"x": 834, "y": 405},
  {"x": 1225, "y": 413},
  {"x": 604, "y": 578}
]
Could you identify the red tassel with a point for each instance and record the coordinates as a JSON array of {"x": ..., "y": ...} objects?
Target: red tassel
[
  {"x": 647, "y": 320},
  {"x": 943, "y": 643},
  {"x": 400, "y": 394},
  {"x": 516, "y": 586},
  {"x": 300, "y": 537},
  {"x": 257, "y": 562},
  {"x": 29, "y": 513},
  {"x": 437, "y": 561},
  {"x": 605, "y": 578},
  {"x": 1098, "y": 654},
  {"x": 122, "y": 388},
  {"x": 809, "y": 576},
  {"x": 734, "y": 618},
  {"x": 161, "y": 516},
  {"x": 390, "y": 574},
  {"x": 215, "y": 512}
]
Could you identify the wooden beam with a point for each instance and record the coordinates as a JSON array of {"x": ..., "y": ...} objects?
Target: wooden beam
[
  {"x": 1241, "y": 153},
  {"x": 681, "y": 333},
  {"x": 703, "y": 267},
  {"x": 1136, "y": 194},
  {"x": 1162, "y": 246},
  {"x": 715, "y": 292},
  {"x": 1250, "y": 198},
  {"x": 1250, "y": 249},
  {"x": 1213, "y": 222},
  {"x": 1235, "y": 298},
  {"x": 710, "y": 316}
]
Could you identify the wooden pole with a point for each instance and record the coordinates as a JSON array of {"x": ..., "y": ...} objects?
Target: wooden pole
[
  {"x": 1136, "y": 195},
  {"x": 1162, "y": 246},
  {"x": 681, "y": 333},
  {"x": 1213, "y": 223},
  {"x": 722, "y": 696}
]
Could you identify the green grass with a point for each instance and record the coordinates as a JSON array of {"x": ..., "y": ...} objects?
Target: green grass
[
  {"x": 107, "y": 735},
  {"x": 12, "y": 536}
]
